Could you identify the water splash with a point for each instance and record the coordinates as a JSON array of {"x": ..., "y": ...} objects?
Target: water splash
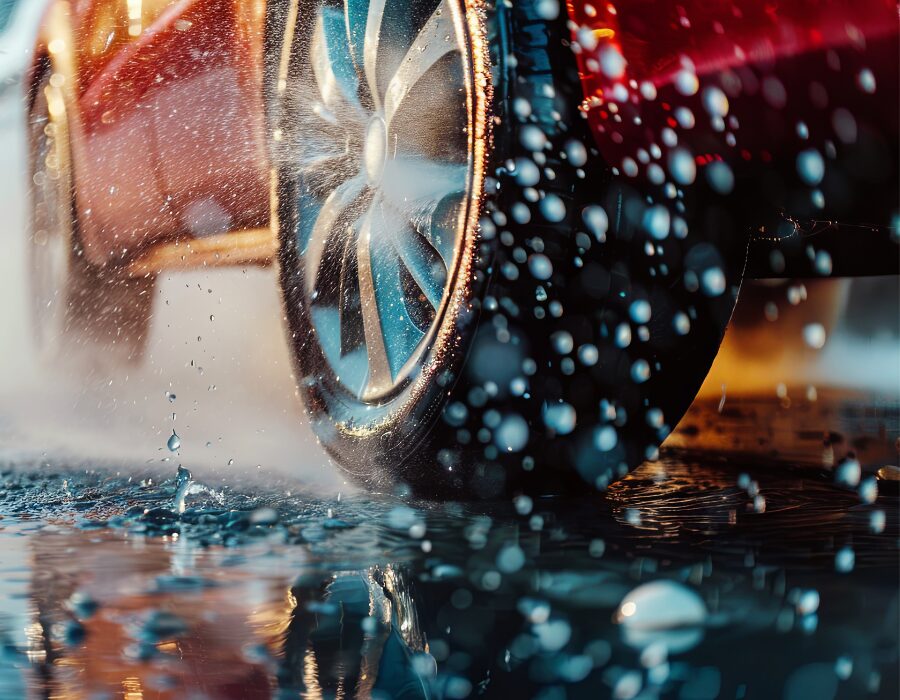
[{"x": 186, "y": 486}]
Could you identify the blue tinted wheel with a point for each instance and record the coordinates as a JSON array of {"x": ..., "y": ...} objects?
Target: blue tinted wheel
[{"x": 471, "y": 303}]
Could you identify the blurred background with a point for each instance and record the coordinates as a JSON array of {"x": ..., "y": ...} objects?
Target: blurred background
[{"x": 216, "y": 368}]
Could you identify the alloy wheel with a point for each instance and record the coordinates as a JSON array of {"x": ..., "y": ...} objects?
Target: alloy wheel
[{"x": 385, "y": 170}]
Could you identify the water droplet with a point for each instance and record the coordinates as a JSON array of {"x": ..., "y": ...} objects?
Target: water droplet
[
  {"x": 522, "y": 108},
  {"x": 605, "y": 438},
  {"x": 553, "y": 208},
  {"x": 553, "y": 635},
  {"x": 532, "y": 138},
  {"x": 640, "y": 311},
  {"x": 868, "y": 490},
  {"x": 456, "y": 414},
  {"x": 596, "y": 221},
  {"x": 662, "y": 612},
  {"x": 808, "y": 601},
  {"x": 588, "y": 355},
  {"x": 814, "y": 335},
  {"x": 640, "y": 371},
  {"x": 160, "y": 625},
  {"x": 823, "y": 263},
  {"x": 720, "y": 177},
  {"x": 713, "y": 281},
  {"x": 815, "y": 680},
  {"x": 174, "y": 442},
  {"x": 401, "y": 518},
  {"x": 866, "y": 81},
  {"x": 559, "y": 417},
  {"x": 510, "y": 559},
  {"x": 715, "y": 102},
  {"x": 629, "y": 167},
  {"x": 848, "y": 473},
  {"x": 657, "y": 221},
  {"x": 655, "y": 418},
  {"x": 686, "y": 82},
  {"x": 810, "y": 166},
  {"x": 576, "y": 152},
  {"x": 512, "y": 433},
  {"x": 682, "y": 166},
  {"x": 540, "y": 267},
  {"x": 655, "y": 174},
  {"x": 648, "y": 91},
  {"x": 548, "y": 9},
  {"x": 612, "y": 63},
  {"x": 844, "y": 560},
  {"x": 527, "y": 173},
  {"x": 523, "y": 504},
  {"x": 843, "y": 667},
  {"x": 627, "y": 685},
  {"x": 562, "y": 342},
  {"x": 774, "y": 92}
]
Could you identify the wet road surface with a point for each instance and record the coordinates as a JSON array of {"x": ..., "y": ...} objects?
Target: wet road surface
[{"x": 756, "y": 559}]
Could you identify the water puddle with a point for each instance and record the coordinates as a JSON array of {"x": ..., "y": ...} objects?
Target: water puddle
[{"x": 733, "y": 567}]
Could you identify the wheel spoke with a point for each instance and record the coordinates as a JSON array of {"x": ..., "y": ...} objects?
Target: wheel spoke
[
  {"x": 442, "y": 230},
  {"x": 332, "y": 63},
  {"x": 390, "y": 333},
  {"x": 371, "y": 46},
  {"x": 323, "y": 229},
  {"x": 426, "y": 268},
  {"x": 436, "y": 39},
  {"x": 379, "y": 371},
  {"x": 431, "y": 121}
]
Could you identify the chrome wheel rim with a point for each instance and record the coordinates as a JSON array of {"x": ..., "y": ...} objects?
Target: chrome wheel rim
[{"x": 385, "y": 169}]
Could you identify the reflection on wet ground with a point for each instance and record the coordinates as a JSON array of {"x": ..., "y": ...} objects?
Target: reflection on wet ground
[{"x": 757, "y": 559}]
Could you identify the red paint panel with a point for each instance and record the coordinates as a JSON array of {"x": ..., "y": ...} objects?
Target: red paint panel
[
  {"x": 173, "y": 132},
  {"x": 789, "y": 73}
]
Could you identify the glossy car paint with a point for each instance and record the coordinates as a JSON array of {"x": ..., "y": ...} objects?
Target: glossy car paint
[
  {"x": 753, "y": 85},
  {"x": 168, "y": 135},
  {"x": 167, "y": 126}
]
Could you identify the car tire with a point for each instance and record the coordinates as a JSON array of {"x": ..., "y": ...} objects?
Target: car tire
[
  {"x": 565, "y": 349},
  {"x": 77, "y": 308}
]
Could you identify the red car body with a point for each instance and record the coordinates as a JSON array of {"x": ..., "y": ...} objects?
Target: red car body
[
  {"x": 786, "y": 76},
  {"x": 167, "y": 132},
  {"x": 168, "y": 126}
]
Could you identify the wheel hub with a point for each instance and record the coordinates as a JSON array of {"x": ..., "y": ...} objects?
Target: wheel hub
[{"x": 375, "y": 150}]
